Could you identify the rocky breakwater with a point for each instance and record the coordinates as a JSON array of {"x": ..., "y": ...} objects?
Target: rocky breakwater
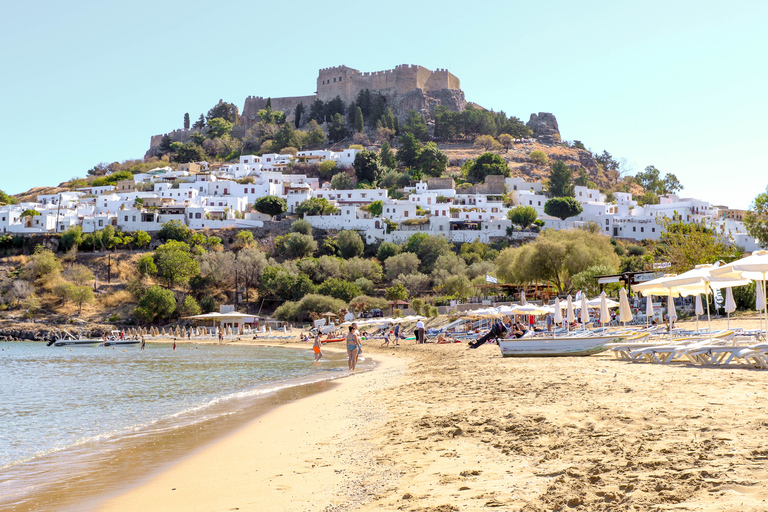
[{"x": 32, "y": 332}]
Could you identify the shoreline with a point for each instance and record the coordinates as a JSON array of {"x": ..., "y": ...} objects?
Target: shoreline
[{"x": 245, "y": 469}]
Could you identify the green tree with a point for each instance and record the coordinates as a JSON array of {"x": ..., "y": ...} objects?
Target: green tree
[
  {"x": 416, "y": 125},
  {"x": 458, "y": 286},
  {"x": 487, "y": 164},
  {"x": 359, "y": 125},
  {"x": 315, "y": 206},
  {"x": 339, "y": 289},
  {"x": 72, "y": 237},
  {"x": 350, "y": 244},
  {"x": 218, "y": 127},
  {"x": 146, "y": 265},
  {"x": 755, "y": 220},
  {"x": 5, "y": 198},
  {"x": 428, "y": 248},
  {"x": 188, "y": 152},
  {"x": 522, "y": 216},
  {"x": 397, "y": 292},
  {"x": 271, "y": 205},
  {"x": 554, "y": 257},
  {"x": 173, "y": 230},
  {"x": 586, "y": 280},
  {"x": 560, "y": 176},
  {"x": 338, "y": 129},
  {"x": 315, "y": 134},
  {"x": 297, "y": 245},
  {"x": 81, "y": 295},
  {"x": 409, "y": 151},
  {"x": 200, "y": 123},
  {"x": 404, "y": 263},
  {"x": 387, "y": 156},
  {"x": 156, "y": 304},
  {"x": 64, "y": 291},
  {"x": 142, "y": 238},
  {"x": 686, "y": 245},
  {"x": 562, "y": 207},
  {"x": 650, "y": 179},
  {"x": 432, "y": 161},
  {"x": 387, "y": 250},
  {"x": 367, "y": 166},
  {"x": 226, "y": 111},
  {"x": 297, "y": 114},
  {"x": 376, "y": 208},
  {"x": 175, "y": 263},
  {"x": 188, "y": 307},
  {"x": 341, "y": 181},
  {"x": 186, "y": 121}
]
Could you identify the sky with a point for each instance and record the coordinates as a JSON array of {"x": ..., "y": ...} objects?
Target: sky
[{"x": 680, "y": 85}]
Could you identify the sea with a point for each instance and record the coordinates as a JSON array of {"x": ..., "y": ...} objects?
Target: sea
[{"x": 79, "y": 424}]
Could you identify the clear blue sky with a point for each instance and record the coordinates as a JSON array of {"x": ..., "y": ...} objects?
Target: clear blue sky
[{"x": 676, "y": 84}]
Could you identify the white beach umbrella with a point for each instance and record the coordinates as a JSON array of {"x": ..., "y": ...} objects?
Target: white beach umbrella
[
  {"x": 730, "y": 304},
  {"x": 522, "y": 298},
  {"x": 597, "y": 302},
  {"x": 625, "y": 312},
  {"x": 759, "y": 297},
  {"x": 671, "y": 312},
  {"x": 699, "y": 310},
  {"x": 755, "y": 267},
  {"x": 605, "y": 315},
  {"x": 648, "y": 308},
  {"x": 558, "y": 312},
  {"x": 569, "y": 313},
  {"x": 584, "y": 310}
]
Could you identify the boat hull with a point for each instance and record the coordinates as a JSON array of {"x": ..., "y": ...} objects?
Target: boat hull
[
  {"x": 555, "y": 347},
  {"x": 77, "y": 343},
  {"x": 115, "y": 343}
]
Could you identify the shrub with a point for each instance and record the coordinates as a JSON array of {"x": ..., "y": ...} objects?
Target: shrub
[
  {"x": 173, "y": 230},
  {"x": 539, "y": 157},
  {"x": 340, "y": 289},
  {"x": 157, "y": 304},
  {"x": 311, "y": 303}
]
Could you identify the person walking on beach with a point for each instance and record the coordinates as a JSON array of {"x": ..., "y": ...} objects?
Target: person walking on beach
[
  {"x": 317, "y": 347},
  {"x": 352, "y": 346},
  {"x": 397, "y": 334},
  {"x": 420, "y": 332}
]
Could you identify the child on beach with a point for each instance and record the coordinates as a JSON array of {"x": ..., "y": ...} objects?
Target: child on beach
[{"x": 317, "y": 347}]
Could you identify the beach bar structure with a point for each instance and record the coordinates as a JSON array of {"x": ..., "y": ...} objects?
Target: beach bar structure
[{"x": 232, "y": 319}]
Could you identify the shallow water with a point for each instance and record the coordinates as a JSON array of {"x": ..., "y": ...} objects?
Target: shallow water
[{"x": 80, "y": 422}]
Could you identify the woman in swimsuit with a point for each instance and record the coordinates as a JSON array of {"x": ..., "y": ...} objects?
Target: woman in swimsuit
[
  {"x": 352, "y": 346},
  {"x": 317, "y": 347}
]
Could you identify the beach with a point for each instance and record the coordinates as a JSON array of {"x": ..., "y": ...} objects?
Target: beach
[{"x": 443, "y": 428}]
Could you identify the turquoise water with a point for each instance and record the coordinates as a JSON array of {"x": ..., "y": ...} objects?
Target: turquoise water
[{"x": 68, "y": 414}]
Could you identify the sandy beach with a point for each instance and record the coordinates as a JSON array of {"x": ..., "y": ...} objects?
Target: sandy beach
[{"x": 444, "y": 428}]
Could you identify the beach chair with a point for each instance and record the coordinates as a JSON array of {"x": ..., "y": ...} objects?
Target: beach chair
[{"x": 679, "y": 348}]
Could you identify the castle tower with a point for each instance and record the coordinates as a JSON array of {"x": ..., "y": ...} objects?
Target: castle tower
[{"x": 336, "y": 81}]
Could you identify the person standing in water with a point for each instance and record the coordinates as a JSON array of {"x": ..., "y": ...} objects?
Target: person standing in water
[
  {"x": 143, "y": 342},
  {"x": 318, "y": 347},
  {"x": 352, "y": 346}
]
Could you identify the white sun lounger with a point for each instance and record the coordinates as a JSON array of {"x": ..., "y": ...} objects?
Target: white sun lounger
[{"x": 681, "y": 346}]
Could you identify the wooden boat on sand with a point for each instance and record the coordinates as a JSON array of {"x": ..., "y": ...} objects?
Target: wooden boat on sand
[{"x": 561, "y": 346}]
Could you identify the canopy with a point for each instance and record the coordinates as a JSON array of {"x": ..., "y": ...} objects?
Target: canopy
[
  {"x": 529, "y": 309},
  {"x": 558, "y": 312},
  {"x": 597, "y": 302},
  {"x": 605, "y": 315},
  {"x": 625, "y": 312},
  {"x": 584, "y": 313}
]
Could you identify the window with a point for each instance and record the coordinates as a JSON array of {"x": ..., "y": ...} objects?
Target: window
[
  {"x": 339, "y": 79},
  {"x": 539, "y": 203},
  {"x": 126, "y": 218},
  {"x": 606, "y": 222},
  {"x": 405, "y": 214},
  {"x": 197, "y": 215},
  {"x": 101, "y": 222},
  {"x": 334, "y": 79},
  {"x": 190, "y": 215},
  {"x": 634, "y": 228},
  {"x": 653, "y": 230},
  {"x": 133, "y": 218}
]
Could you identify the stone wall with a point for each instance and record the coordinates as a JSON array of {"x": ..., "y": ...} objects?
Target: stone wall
[{"x": 286, "y": 104}]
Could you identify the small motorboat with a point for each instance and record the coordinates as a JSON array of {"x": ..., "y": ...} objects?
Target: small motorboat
[
  {"x": 88, "y": 342},
  {"x": 560, "y": 346}
]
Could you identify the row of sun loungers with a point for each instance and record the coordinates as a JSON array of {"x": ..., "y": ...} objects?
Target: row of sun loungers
[{"x": 715, "y": 349}]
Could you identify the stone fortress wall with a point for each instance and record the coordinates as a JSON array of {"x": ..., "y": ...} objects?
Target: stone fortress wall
[{"x": 347, "y": 83}]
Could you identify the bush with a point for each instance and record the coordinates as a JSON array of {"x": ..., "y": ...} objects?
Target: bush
[
  {"x": 311, "y": 303},
  {"x": 539, "y": 157},
  {"x": 174, "y": 230},
  {"x": 271, "y": 205},
  {"x": 209, "y": 305},
  {"x": 301, "y": 226},
  {"x": 340, "y": 289},
  {"x": 188, "y": 307},
  {"x": 636, "y": 250},
  {"x": 350, "y": 244},
  {"x": 157, "y": 304},
  {"x": 365, "y": 285},
  {"x": 416, "y": 305}
]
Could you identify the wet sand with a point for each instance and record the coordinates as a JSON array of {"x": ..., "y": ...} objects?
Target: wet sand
[{"x": 441, "y": 428}]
